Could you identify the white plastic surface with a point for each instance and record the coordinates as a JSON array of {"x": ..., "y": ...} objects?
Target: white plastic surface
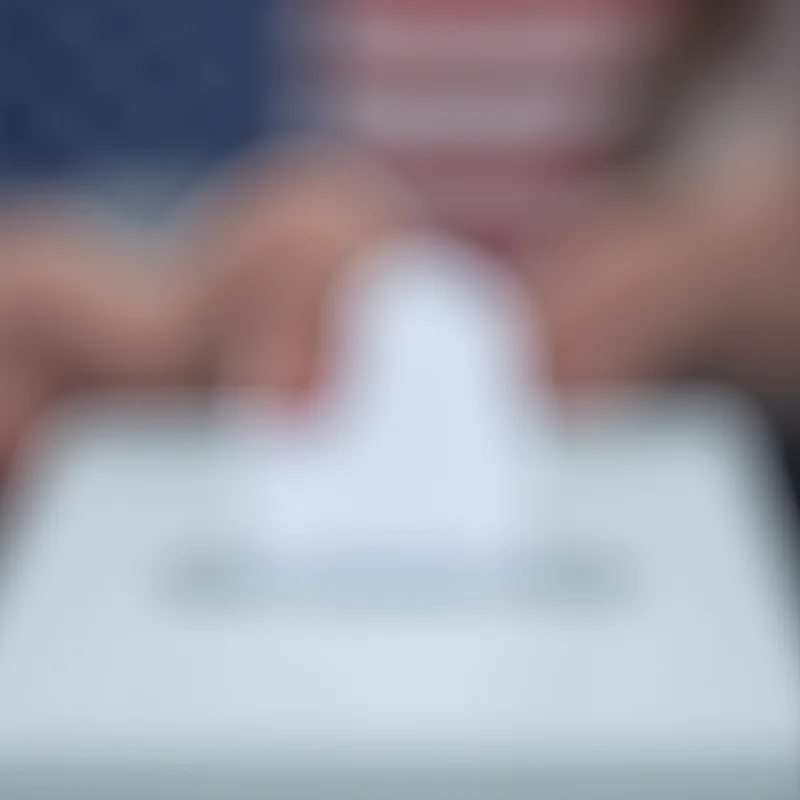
[{"x": 106, "y": 655}]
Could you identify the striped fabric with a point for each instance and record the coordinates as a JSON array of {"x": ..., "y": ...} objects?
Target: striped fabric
[{"x": 499, "y": 113}]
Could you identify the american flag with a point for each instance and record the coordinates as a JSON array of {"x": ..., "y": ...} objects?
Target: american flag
[{"x": 500, "y": 114}]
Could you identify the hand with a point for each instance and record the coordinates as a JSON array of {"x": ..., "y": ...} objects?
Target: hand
[
  {"x": 692, "y": 278},
  {"x": 698, "y": 278},
  {"x": 241, "y": 297}
]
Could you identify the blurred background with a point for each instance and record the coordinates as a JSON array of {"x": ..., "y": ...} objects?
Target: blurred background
[{"x": 137, "y": 102}]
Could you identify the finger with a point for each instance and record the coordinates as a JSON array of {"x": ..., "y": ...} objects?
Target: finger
[
  {"x": 280, "y": 350},
  {"x": 633, "y": 305},
  {"x": 276, "y": 247},
  {"x": 317, "y": 204},
  {"x": 26, "y": 397},
  {"x": 79, "y": 296}
]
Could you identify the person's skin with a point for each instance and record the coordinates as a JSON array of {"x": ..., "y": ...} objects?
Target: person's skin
[
  {"x": 240, "y": 298},
  {"x": 693, "y": 274},
  {"x": 78, "y": 311},
  {"x": 696, "y": 274},
  {"x": 277, "y": 234}
]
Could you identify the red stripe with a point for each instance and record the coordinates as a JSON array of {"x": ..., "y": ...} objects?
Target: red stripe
[
  {"x": 536, "y": 164},
  {"x": 468, "y": 10},
  {"x": 357, "y": 69}
]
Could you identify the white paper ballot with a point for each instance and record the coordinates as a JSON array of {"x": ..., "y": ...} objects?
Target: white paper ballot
[{"x": 424, "y": 463}]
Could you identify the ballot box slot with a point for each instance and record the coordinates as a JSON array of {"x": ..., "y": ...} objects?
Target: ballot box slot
[{"x": 575, "y": 574}]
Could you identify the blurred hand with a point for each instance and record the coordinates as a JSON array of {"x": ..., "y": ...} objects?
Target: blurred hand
[
  {"x": 700, "y": 277},
  {"x": 697, "y": 277},
  {"x": 241, "y": 298},
  {"x": 269, "y": 246},
  {"x": 693, "y": 276}
]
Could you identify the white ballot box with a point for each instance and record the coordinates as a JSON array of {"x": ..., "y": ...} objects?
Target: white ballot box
[
  {"x": 430, "y": 589},
  {"x": 650, "y": 653}
]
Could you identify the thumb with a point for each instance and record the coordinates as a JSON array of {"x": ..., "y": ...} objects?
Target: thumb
[
  {"x": 26, "y": 397},
  {"x": 279, "y": 342}
]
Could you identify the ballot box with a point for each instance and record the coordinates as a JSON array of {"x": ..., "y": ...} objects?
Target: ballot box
[{"x": 647, "y": 650}]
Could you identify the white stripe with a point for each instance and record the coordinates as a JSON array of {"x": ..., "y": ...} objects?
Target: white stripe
[{"x": 549, "y": 42}]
